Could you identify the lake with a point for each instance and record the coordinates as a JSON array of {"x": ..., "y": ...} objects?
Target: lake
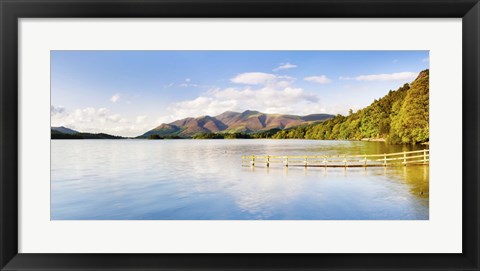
[{"x": 205, "y": 180}]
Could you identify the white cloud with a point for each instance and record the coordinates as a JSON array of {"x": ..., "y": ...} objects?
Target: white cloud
[
  {"x": 254, "y": 78},
  {"x": 384, "y": 77},
  {"x": 141, "y": 119},
  {"x": 427, "y": 59},
  {"x": 285, "y": 66},
  {"x": 265, "y": 79},
  {"x": 269, "y": 93},
  {"x": 56, "y": 110},
  {"x": 93, "y": 120},
  {"x": 184, "y": 85},
  {"x": 278, "y": 97},
  {"x": 115, "y": 98},
  {"x": 321, "y": 79}
]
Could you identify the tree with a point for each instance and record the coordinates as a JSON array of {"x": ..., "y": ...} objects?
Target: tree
[{"x": 411, "y": 125}]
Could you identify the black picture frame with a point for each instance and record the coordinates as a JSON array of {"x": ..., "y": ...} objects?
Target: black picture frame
[{"x": 12, "y": 10}]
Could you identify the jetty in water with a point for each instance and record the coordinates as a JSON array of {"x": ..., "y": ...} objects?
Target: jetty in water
[{"x": 408, "y": 158}]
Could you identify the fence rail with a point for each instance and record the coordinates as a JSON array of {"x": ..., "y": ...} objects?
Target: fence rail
[{"x": 420, "y": 157}]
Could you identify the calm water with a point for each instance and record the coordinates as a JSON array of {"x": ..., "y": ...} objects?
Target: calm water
[{"x": 204, "y": 179}]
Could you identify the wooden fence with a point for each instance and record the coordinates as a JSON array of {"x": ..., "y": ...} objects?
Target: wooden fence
[{"x": 420, "y": 157}]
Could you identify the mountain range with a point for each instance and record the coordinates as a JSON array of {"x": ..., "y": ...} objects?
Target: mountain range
[{"x": 233, "y": 122}]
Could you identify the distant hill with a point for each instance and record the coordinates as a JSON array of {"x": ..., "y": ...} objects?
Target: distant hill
[
  {"x": 64, "y": 130},
  {"x": 66, "y": 133},
  {"x": 233, "y": 122}
]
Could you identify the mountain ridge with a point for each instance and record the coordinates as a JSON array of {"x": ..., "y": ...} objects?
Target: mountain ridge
[{"x": 248, "y": 121}]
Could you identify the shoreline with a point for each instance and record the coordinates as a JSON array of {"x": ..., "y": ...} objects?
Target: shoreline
[
  {"x": 358, "y": 140},
  {"x": 373, "y": 139}
]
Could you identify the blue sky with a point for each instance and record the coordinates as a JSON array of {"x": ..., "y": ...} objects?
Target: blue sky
[{"x": 129, "y": 92}]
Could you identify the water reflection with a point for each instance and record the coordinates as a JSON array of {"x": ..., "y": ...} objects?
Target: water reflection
[
  {"x": 189, "y": 179},
  {"x": 415, "y": 177}
]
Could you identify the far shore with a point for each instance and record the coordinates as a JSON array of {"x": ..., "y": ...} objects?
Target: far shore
[
  {"x": 374, "y": 139},
  {"x": 133, "y": 138}
]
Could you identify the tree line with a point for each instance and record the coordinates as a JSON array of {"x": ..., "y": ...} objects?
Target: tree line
[{"x": 400, "y": 117}]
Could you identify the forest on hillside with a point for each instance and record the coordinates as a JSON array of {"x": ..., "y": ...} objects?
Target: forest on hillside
[{"x": 400, "y": 117}]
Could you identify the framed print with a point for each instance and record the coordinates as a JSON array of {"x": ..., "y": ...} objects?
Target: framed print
[{"x": 239, "y": 135}]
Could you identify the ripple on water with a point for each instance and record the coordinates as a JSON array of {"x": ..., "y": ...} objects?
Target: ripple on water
[{"x": 204, "y": 179}]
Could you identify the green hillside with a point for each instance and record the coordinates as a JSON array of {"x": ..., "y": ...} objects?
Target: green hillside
[{"x": 400, "y": 117}]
